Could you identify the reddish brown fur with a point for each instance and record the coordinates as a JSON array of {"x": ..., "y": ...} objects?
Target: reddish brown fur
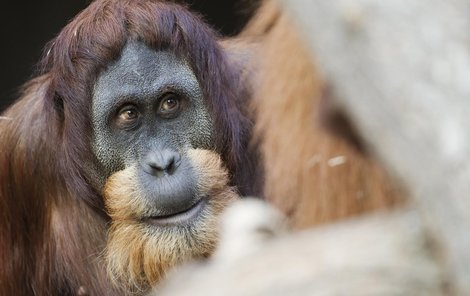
[
  {"x": 53, "y": 221},
  {"x": 300, "y": 134},
  {"x": 38, "y": 259}
]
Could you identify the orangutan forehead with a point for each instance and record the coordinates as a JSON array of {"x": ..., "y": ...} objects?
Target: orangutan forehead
[{"x": 143, "y": 72}]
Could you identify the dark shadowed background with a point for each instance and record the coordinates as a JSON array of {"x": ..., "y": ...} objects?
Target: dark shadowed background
[{"x": 26, "y": 26}]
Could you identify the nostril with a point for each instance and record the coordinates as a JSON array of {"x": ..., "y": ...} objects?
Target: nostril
[
  {"x": 171, "y": 166},
  {"x": 162, "y": 162},
  {"x": 158, "y": 166}
]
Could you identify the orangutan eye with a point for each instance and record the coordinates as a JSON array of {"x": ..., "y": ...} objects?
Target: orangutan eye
[
  {"x": 128, "y": 116},
  {"x": 170, "y": 106}
]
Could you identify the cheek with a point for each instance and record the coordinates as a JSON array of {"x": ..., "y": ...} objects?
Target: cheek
[
  {"x": 106, "y": 156},
  {"x": 202, "y": 131},
  {"x": 114, "y": 153},
  {"x": 194, "y": 129}
]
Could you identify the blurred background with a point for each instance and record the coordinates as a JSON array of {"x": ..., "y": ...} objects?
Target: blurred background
[{"x": 26, "y": 26}]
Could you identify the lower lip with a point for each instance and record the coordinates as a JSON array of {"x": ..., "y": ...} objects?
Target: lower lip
[{"x": 179, "y": 218}]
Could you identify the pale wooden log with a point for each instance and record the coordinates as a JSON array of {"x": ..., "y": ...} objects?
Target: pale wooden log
[
  {"x": 381, "y": 255},
  {"x": 401, "y": 69}
]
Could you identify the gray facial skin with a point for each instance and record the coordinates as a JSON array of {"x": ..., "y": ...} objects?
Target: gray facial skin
[{"x": 141, "y": 78}]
